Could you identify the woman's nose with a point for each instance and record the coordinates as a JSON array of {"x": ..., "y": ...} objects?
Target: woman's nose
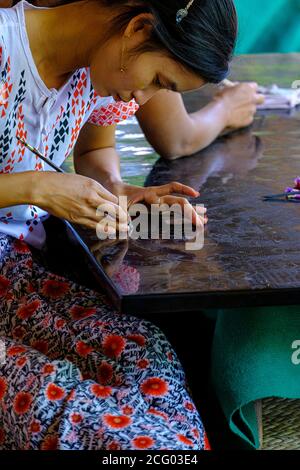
[{"x": 142, "y": 96}]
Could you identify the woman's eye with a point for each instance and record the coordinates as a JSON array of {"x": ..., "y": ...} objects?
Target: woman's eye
[{"x": 158, "y": 83}]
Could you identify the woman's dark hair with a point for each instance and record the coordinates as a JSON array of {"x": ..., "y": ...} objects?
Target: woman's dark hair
[{"x": 203, "y": 42}]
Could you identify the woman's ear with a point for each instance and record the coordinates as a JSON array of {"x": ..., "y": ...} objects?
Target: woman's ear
[{"x": 140, "y": 26}]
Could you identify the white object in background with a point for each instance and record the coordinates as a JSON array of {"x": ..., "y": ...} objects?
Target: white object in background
[
  {"x": 275, "y": 97},
  {"x": 279, "y": 98}
]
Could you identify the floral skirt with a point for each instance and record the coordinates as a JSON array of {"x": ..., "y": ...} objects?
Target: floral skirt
[{"x": 75, "y": 374}]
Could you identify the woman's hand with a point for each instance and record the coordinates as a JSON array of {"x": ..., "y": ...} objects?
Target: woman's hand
[
  {"x": 239, "y": 104},
  {"x": 76, "y": 198},
  {"x": 164, "y": 195}
]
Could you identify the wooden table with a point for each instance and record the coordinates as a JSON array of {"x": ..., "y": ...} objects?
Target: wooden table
[{"x": 251, "y": 255}]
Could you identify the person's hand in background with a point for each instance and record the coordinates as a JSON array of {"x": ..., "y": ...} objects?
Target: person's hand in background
[{"x": 239, "y": 103}]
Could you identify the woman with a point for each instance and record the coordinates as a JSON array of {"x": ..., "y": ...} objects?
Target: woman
[
  {"x": 77, "y": 375},
  {"x": 169, "y": 128}
]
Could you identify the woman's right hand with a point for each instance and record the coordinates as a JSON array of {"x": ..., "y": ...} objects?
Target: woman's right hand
[{"x": 76, "y": 198}]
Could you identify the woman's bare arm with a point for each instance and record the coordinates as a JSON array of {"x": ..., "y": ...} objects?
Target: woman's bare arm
[{"x": 173, "y": 132}]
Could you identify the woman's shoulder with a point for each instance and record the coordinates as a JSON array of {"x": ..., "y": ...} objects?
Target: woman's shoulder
[
  {"x": 8, "y": 19},
  {"x": 8, "y": 28}
]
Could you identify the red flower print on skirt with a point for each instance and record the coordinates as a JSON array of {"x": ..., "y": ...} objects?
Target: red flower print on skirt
[
  {"x": 127, "y": 410},
  {"x": 26, "y": 311},
  {"x": 113, "y": 346},
  {"x": 50, "y": 443},
  {"x": 15, "y": 350},
  {"x": 143, "y": 442},
  {"x": 21, "y": 361},
  {"x": 138, "y": 339},
  {"x": 71, "y": 396},
  {"x": 154, "y": 386},
  {"x": 21, "y": 247},
  {"x": 54, "y": 392},
  {"x": 153, "y": 411},
  {"x": 40, "y": 345},
  {"x": 189, "y": 406},
  {"x": 83, "y": 349},
  {"x": 78, "y": 313},
  {"x": 105, "y": 373},
  {"x": 60, "y": 323},
  {"x": 55, "y": 289},
  {"x": 101, "y": 391},
  {"x": 48, "y": 369},
  {"x": 114, "y": 446},
  {"x": 185, "y": 440},
  {"x": 206, "y": 442},
  {"x": 35, "y": 426},
  {"x": 22, "y": 402},
  {"x": 2, "y": 436},
  {"x": 30, "y": 288},
  {"x": 4, "y": 285},
  {"x": 76, "y": 418},
  {"x": 3, "y": 388},
  {"x": 19, "y": 332},
  {"x": 117, "y": 422},
  {"x": 170, "y": 356},
  {"x": 143, "y": 363}
]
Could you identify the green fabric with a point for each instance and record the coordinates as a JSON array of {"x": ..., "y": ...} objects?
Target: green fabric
[
  {"x": 268, "y": 26},
  {"x": 251, "y": 360}
]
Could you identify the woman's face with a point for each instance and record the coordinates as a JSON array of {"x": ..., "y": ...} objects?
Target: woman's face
[
  {"x": 144, "y": 73},
  {"x": 143, "y": 76}
]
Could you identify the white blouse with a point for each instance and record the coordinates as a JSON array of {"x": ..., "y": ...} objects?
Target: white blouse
[{"x": 47, "y": 119}]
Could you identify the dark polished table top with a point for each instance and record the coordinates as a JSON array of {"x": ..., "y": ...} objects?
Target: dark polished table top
[{"x": 251, "y": 253}]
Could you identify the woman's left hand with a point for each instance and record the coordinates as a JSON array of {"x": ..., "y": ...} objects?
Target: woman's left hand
[
  {"x": 164, "y": 195},
  {"x": 239, "y": 102}
]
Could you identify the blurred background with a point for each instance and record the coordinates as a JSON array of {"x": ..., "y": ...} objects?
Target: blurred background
[{"x": 268, "y": 26}]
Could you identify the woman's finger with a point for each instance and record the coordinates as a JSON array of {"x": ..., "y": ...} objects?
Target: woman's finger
[
  {"x": 188, "y": 210},
  {"x": 107, "y": 217},
  {"x": 259, "y": 98},
  {"x": 201, "y": 210},
  {"x": 176, "y": 187},
  {"x": 105, "y": 207},
  {"x": 104, "y": 193}
]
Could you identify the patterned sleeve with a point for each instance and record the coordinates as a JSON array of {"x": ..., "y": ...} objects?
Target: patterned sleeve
[{"x": 108, "y": 112}]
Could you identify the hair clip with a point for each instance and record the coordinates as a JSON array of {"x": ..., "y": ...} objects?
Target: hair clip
[{"x": 183, "y": 12}]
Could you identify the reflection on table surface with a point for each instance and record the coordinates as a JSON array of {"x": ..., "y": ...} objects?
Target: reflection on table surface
[{"x": 249, "y": 244}]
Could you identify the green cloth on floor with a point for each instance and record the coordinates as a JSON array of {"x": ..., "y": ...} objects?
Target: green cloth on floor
[{"x": 251, "y": 360}]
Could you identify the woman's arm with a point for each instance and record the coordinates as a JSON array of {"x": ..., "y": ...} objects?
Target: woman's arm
[
  {"x": 16, "y": 188},
  {"x": 173, "y": 132},
  {"x": 95, "y": 155},
  {"x": 71, "y": 197}
]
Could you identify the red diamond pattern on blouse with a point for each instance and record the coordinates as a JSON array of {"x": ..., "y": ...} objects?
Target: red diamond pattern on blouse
[
  {"x": 113, "y": 113},
  {"x": 21, "y": 133}
]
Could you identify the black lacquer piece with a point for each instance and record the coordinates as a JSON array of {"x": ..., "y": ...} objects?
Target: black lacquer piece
[{"x": 251, "y": 254}]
